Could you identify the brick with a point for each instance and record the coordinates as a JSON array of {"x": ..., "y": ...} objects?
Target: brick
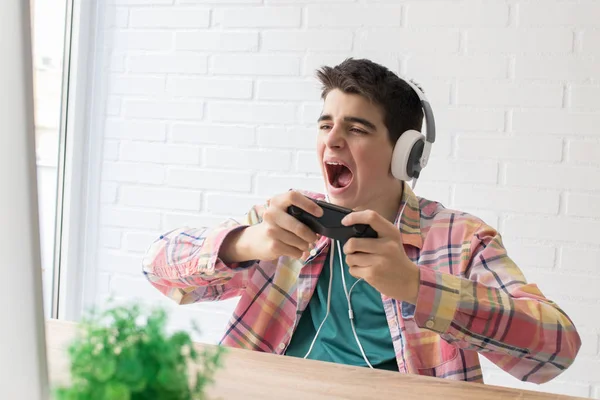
[
  {"x": 558, "y": 13},
  {"x": 139, "y": 241},
  {"x": 313, "y": 40},
  {"x": 140, "y": 40},
  {"x": 507, "y": 199},
  {"x": 159, "y": 153},
  {"x": 553, "y": 284},
  {"x": 108, "y": 192},
  {"x": 461, "y": 171},
  {"x": 442, "y": 148},
  {"x": 287, "y": 138},
  {"x": 139, "y": 2},
  {"x": 443, "y": 13},
  {"x": 118, "y": 262},
  {"x": 437, "y": 40},
  {"x": 466, "y": 120},
  {"x": 437, "y": 92},
  {"x": 589, "y": 42},
  {"x": 117, "y": 17},
  {"x": 133, "y": 172},
  {"x": 353, "y": 16},
  {"x": 455, "y": 66},
  {"x": 589, "y": 343},
  {"x": 116, "y": 63},
  {"x": 142, "y": 85},
  {"x": 129, "y": 218},
  {"x": 555, "y": 229},
  {"x": 583, "y": 205},
  {"x": 102, "y": 284},
  {"x": 173, "y": 220},
  {"x": 288, "y": 90},
  {"x": 210, "y": 87},
  {"x": 310, "y": 113},
  {"x": 258, "y": 64},
  {"x": 163, "y": 109},
  {"x": 178, "y": 62},
  {"x": 216, "y": 41},
  {"x": 180, "y": 17},
  {"x": 488, "y": 217},
  {"x": 212, "y": 134},
  {"x": 113, "y": 105},
  {"x": 231, "y": 205},
  {"x": 135, "y": 288},
  {"x": 165, "y": 198},
  {"x": 553, "y": 67},
  {"x": 315, "y": 61},
  {"x": 252, "y": 112},
  {"x": 109, "y": 238},
  {"x": 115, "y": 128},
  {"x": 262, "y": 160},
  {"x": 587, "y": 97},
  {"x": 509, "y": 147},
  {"x": 432, "y": 191},
  {"x": 308, "y": 162},
  {"x": 268, "y": 185},
  {"x": 519, "y": 41},
  {"x": 260, "y": 17},
  {"x": 220, "y": 1},
  {"x": 306, "y": 1},
  {"x": 583, "y": 152},
  {"x": 557, "y": 386},
  {"x": 558, "y": 122},
  {"x": 110, "y": 150},
  {"x": 579, "y": 311},
  {"x": 510, "y": 94},
  {"x": 552, "y": 176},
  {"x": 527, "y": 255},
  {"x": 210, "y": 179},
  {"x": 580, "y": 259}
]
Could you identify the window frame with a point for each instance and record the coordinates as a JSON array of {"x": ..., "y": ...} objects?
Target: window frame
[{"x": 79, "y": 166}]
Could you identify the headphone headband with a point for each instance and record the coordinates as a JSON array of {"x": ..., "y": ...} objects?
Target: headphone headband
[{"x": 427, "y": 111}]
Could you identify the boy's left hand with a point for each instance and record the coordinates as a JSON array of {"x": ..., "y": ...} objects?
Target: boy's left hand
[{"x": 382, "y": 262}]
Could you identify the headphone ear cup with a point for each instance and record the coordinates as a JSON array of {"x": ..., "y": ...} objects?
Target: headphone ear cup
[{"x": 406, "y": 155}]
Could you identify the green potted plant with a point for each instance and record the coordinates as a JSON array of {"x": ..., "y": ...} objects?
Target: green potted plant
[{"x": 123, "y": 353}]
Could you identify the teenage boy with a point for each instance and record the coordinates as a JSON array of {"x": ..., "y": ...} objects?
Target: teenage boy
[{"x": 434, "y": 290}]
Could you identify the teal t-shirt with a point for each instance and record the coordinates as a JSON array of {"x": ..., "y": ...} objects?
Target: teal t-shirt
[{"x": 336, "y": 342}]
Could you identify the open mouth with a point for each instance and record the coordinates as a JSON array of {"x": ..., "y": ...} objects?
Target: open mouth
[{"x": 338, "y": 174}]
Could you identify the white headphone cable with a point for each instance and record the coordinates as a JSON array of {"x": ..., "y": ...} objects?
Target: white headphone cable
[
  {"x": 350, "y": 312},
  {"x": 328, "y": 305}
]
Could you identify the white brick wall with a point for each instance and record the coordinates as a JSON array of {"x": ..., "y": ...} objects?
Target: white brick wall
[{"x": 210, "y": 106}]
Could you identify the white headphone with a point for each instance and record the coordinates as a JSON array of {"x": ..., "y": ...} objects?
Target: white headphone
[{"x": 412, "y": 149}]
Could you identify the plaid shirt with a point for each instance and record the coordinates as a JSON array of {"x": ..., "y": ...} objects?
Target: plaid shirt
[{"x": 472, "y": 297}]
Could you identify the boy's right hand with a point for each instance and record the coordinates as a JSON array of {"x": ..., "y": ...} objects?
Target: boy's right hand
[{"x": 279, "y": 234}]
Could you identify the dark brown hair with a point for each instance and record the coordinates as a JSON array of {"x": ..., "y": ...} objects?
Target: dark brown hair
[{"x": 400, "y": 104}]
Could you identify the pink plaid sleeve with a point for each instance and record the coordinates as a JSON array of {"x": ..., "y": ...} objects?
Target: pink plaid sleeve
[
  {"x": 184, "y": 264},
  {"x": 489, "y": 307}
]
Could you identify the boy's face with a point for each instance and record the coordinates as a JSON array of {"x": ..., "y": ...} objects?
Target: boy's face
[{"x": 355, "y": 153}]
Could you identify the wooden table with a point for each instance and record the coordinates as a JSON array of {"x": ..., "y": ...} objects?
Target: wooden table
[{"x": 254, "y": 375}]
